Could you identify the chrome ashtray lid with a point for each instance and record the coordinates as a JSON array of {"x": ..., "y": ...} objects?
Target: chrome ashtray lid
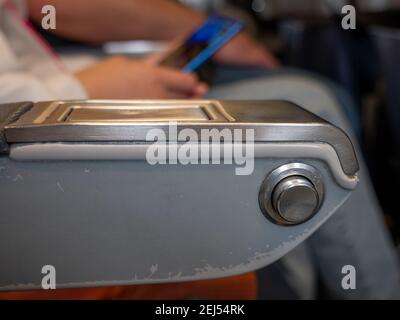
[{"x": 131, "y": 120}]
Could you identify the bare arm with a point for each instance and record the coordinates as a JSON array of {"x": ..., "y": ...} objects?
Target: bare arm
[{"x": 98, "y": 21}]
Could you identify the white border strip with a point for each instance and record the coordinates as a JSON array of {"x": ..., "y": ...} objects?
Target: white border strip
[{"x": 124, "y": 152}]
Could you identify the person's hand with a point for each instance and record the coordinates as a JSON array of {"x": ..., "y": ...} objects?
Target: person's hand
[
  {"x": 124, "y": 78},
  {"x": 245, "y": 51}
]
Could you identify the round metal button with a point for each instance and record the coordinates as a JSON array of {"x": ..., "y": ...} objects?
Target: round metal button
[
  {"x": 291, "y": 194},
  {"x": 295, "y": 199}
]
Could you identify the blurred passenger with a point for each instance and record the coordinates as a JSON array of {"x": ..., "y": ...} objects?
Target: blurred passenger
[
  {"x": 96, "y": 22},
  {"x": 31, "y": 70}
]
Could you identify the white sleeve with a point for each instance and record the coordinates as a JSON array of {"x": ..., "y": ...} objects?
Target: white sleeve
[
  {"x": 21, "y": 86},
  {"x": 18, "y": 79},
  {"x": 65, "y": 87}
]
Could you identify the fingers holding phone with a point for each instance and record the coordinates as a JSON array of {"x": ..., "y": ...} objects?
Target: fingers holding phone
[
  {"x": 189, "y": 55},
  {"x": 124, "y": 78},
  {"x": 220, "y": 38},
  {"x": 182, "y": 85}
]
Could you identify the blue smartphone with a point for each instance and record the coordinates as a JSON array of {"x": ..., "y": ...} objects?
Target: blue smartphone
[{"x": 203, "y": 43}]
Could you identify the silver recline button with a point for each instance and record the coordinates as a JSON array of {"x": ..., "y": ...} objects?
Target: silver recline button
[
  {"x": 295, "y": 199},
  {"x": 292, "y": 194}
]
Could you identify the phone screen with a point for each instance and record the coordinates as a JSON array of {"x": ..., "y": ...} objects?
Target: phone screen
[{"x": 203, "y": 43}]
